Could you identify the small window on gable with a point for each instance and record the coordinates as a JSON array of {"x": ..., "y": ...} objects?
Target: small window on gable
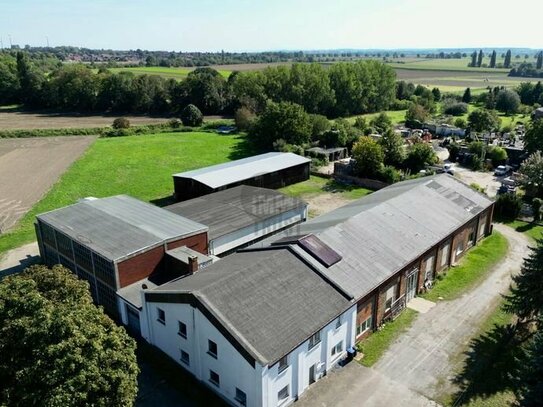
[
  {"x": 314, "y": 340},
  {"x": 212, "y": 348},
  {"x": 185, "y": 358},
  {"x": 161, "y": 316},
  {"x": 241, "y": 397},
  {"x": 214, "y": 378},
  {"x": 283, "y": 364},
  {"x": 182, "y": 329}
]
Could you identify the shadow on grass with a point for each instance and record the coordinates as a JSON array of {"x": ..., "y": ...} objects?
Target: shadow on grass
[
  {"x": 244, "y": 148},
  {"x": 335, "y": 186},
  {"x": 491, "y": 359}
]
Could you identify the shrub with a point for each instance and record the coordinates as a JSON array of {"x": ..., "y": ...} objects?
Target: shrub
[
  {"x": 319, "y": 125},
  {"x": 477, "y": 187},
  {"x": 244, "y": 118},
  {"x": 175, "y": 123},
  {"x": 498, "y": 155},
  {"x": 476, "y": 163},
  {"x": 454, "y": 149},
  {"x": 192, "y": 116},
  {"x": 121, "y": 123},
  {"x": 508, "y": 206},
  {"x": 536, "y": 208},
  {"x": 389, "y": 174},
  {"x": 461, "y": 123},
  {"x": 456, "y": 109}
]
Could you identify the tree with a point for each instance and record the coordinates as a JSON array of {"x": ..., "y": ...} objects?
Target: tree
[
  {"x": 473, "y": 59},
  {"x": 508, "y": 101},
  {"x": 461, "y": 123},
  {"x": 525, "y": 299},
  {"x": 498, "y": 155},
  {"x": 284, "y": 120},
  {"x": 57, "y": 348},
  {"x": 536, "y": 208},
  {"x": 507, "y": 206},
  {"x": 539, "y": 63},
  {"x": 493, "y": 60},
  {"x": 526, "y": 93},
  {"x": 319, "y": 124},
  {"x": 454, "y": 108},
  {"x": 483, "y": 120},
  {"x": 381, "y": 123},
  {"x": 437, "y": 94},
  {"x": 533, "y": 139},
  {"x": 192, "y": 116},
  {"x": 529, "y": 374},
  {"x": 369, "y": 157},
  {"x": 121, "y": 123},
  {"x": 393, "y": 148},
  {"x": 480, "y": 58},
  {"x": 466, "y": 98},
  {"x": 507, "y": 60},
  {"x": 532, "y": 172},
  {"x": 244, "y": 118},
  {"x": 416, "y": 115},
  {"x": 419, "y": 156},
  {"x": 205, "y": 88}
]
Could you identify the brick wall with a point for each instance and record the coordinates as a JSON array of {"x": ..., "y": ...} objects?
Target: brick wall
[
  {"x": 364, "y": 310},
  {"x": 196, "y": 242},
  {"x": 462, "y": 238}
]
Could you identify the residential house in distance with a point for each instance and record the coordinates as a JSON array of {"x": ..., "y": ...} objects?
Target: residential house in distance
[{"x": 271, "y": 170}]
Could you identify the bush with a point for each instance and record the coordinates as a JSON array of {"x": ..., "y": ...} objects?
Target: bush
[
  {"x": 508, "y": 206},
  {"x": 498, "y": 155},
  {"x": 175, "y": 123},
  {"x": 121, "y": 123},
  {"x": 476, "y": 163},
  {"x": 536, "y": 208},
  {"x": 454, "y": 149},
  {"x": 192, "y": 116},
  {"x": 390, "y": 175},
  {"x": 244, "y": 118},
  {"x": 319, "y": 125},
  {"x": 455, "y": 109},
  {"x": 477, "y": 187},
  {"x": 400, "y": 105}
]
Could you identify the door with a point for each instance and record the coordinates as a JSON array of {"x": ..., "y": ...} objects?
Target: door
[
  {"x": 412, "y": 285},
  {"x": 312, "y": 378},
  {"x": 133, "y": 321}
]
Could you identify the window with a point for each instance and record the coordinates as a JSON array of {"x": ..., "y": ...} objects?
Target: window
[
  {"x": 182, "y": 330},
  {"x": 459, "y": 247},
  {"x": 283, "y": 364},
  {"x": 314, "y": 340},
  {"x": 337, "y": 349},
  {"x": 104, "y": 270},
  {"x": 64, "y": 245},
  {"x": 214, "y": 378},
  {"x": 471, "y": 237},
  {"x": 445, "y": 251},
  {"x": 185, "y": 358},
  {"x": 363, "y": 326},
  {"x": 283, "y": 394},
  {"x": 161, "y": 316},
  {"x": 390, "y": 297},
  {"x": 338, "y": 322},
  {"x": 83, "y": 256},
  {"x": 212, "y": 348},
  {"x": 241, "y": 397},
  {"x": 429, "y": 269},
  {"x": 482, "y": 225},
  {"x": 48, "y": 235}
]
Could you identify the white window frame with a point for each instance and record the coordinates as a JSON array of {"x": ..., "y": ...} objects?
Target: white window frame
[
  {"x": 286, "y": 395},
  {"x": 460, "y": 247},
  {"x": 482, "y": 226},
  {"x": 364, "y": 326},
  {"x": 314, "y": 340},
  {"x": 282, "y": 365},
  {"x": 429, "y": 271},
  {"x": 445, "y": 253},
  {"x": 338, "y": 322},
  {"x": 390, "y": 296},
  {"x": 338, "y": 349}
]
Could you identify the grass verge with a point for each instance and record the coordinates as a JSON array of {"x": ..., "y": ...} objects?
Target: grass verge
[
  {"x": 140, "y": 166},
  {"x": 318, "y": 185},
  {"x": 471, "y": 270},
  {"x": 532, "y": 230},
  {"x": 377, "y": 343}
]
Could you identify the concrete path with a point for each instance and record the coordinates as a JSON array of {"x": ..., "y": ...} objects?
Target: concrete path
[
  {"x": 423, "y": 358},
  {"x": 18, "y": 259},
  {"x": 356, "y": 385},
  {"x": 421, "y": 305}
]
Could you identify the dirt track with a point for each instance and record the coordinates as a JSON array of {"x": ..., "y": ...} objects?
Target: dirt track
[
  {"x": 13, "y": 120},
  {"x": 29, "y": 167}
]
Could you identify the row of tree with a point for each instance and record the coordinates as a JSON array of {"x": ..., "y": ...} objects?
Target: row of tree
[
  {"x": 343, "y": 89},
  {"x": 477, "y": 59}
]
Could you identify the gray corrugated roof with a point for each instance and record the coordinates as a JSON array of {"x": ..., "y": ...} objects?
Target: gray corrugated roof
[
  {"x": 183, "y": 254},
  {"x": 382, "y": 233},
  {"x": 132, "y": 292},
  {"x": 246, "y": 168},
  {"x": 118, "y": 226},
  {"x": 270, "y": 300},
  {"x": 232, "y": 209}
]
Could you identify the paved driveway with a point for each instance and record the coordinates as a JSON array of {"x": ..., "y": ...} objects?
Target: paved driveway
[{"x": 419, "y": 366}]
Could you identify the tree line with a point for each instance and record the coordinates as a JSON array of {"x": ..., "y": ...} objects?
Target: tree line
[{"x": 342, "y": 89}]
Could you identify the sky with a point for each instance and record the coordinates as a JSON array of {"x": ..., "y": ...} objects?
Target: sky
[{"x": 261, "y": 25}]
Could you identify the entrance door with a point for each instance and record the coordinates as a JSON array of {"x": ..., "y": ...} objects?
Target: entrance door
[
  {"x": 412, "y": 285},
  {"x": 133, "y": 321},
  {"x": 312, "y": 378}
]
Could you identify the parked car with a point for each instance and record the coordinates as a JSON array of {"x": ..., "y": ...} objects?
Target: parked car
[
  {"x": 502, "y": 170},
  {"x": 506, "y": 189}
]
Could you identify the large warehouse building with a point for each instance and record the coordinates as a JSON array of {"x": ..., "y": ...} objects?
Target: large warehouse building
[
  {"x": 271, "y": 170},
  {"x": 241, "y": 215}
]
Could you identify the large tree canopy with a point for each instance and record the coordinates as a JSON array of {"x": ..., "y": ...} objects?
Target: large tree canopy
[{"x": 57, "y": 348}]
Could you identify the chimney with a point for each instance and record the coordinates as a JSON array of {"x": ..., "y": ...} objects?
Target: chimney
[{"x": 193, "y": 264}]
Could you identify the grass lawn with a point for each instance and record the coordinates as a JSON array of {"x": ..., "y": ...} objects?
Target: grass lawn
[
  {"x": 471, "y": 270},
  {"x": 397, "y": 116},
  {"x": 166, "y": 72},
  {"x": 529, "y": 229},
  {"x": 377, "y": 343},
  {"x": 317, "y": 185},
  {"x": 140, "y": 166}
]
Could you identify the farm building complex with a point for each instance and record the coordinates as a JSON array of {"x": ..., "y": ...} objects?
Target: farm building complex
[
  {"x": 271, "y": 170},
  {"x": 288, "y": 297}
]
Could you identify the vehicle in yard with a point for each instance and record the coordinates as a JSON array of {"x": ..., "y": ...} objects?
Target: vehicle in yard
[
  {"x": 502, "y": 170},
  {"x": 448, "y": 168}
]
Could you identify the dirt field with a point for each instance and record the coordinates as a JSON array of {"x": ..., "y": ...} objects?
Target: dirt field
[
  {"x": 13, "y": 120},
  {"x": 29, "y": 167}
]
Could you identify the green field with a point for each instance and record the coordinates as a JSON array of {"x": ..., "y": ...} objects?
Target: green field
[
  {"x": 173, "y": 73},
  {"x": 444, "y": 64},
  {"x": 318, "y": 185},
  {"x": 397, "y": 116},
  {"x": 140, "y": 166}
]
